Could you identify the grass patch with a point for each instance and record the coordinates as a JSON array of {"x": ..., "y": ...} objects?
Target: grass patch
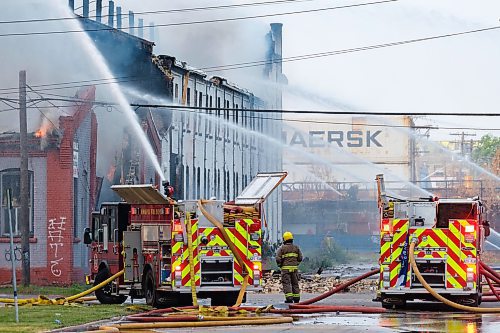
[
  {"x": 43, "y": 318},
  {"x": 46, "y": 290}
]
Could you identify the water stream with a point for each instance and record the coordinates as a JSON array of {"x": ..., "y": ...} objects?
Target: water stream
[
  {"x": 321, "y": 100},
  {"x": 317, "y": 159},
  {"x": 98, "y": 60}
]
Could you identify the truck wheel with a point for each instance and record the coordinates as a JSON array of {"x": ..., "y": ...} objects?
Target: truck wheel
[
  {"x": 150, "y": 289},
  {"x": 104, "y": 295}
]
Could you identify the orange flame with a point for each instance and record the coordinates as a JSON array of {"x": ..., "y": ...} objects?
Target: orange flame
[{"x": 43, "y": 130}]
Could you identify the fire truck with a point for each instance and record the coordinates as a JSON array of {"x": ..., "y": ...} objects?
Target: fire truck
[
  {"x": 171, "y": 249},
  {"x": 449, "y": 235}
]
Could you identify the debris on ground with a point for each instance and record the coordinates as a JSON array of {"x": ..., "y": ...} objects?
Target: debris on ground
[{"x": 317, "y": 284}]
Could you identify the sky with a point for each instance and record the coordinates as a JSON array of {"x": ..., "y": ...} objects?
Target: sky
[{"x": 457, "y": 74}]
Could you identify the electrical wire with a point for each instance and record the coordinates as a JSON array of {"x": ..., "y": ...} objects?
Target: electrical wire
[
  {"x": 6, "y": 103},
  {"x": 125, "y": 79},
  {"x": 321, "y": 112},
  {"x": 46, "y": 117},
  {"x": 352, "y": 50},
  {"x": 297, "y": 120},
  {"x": 174, "y": 24},
  {"x": 167, "y": 11},
  {"x": 50, "y": 102},
  {"x": 282, "y": 111},
  {"x": 72, "y": 82}
]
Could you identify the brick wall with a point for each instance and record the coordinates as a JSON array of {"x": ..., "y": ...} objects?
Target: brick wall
[
  {"x": 60, "y": 213},
  {"x": 57, "y": 257},
  {"x": 38, "y": 244}
]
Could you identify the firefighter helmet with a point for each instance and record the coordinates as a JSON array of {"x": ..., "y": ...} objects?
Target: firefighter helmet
[{"x": 287, "y": 236}]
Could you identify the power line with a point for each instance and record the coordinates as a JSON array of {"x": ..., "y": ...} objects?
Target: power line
[
  {"x": 50, "y": 102},
  {"x": 92, "y": 82},
  {"x": 283, "y": 111},
  {"x": 124, "y": 79},
  {"x": 6, "y": 103},
  {"x": 46, "y": 117},
  {"x": 194, "y": 109},
  {"x": 199, "y": 22},
  {"x": 168, "y": 11},
  {"x": 332, "y": 53},
  {"x": 321, "y": 112}
]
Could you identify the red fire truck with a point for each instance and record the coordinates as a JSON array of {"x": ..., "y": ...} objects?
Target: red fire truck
[
  {"x": 155, "y": 239},
  {"x": 449, "y": 236}
]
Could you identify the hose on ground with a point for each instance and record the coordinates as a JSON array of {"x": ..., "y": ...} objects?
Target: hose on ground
[
  {"x": 42, "y": 300},
  {"x": 339, "y": 288},
  {"x": 491, "y": 271},
  {"x": 198, "y": 322},
  {"x": 439, "y": 297},
  {"x": 338, "y": 308},
  {"x": 490, "y": 293},
  {"x": 181, "y": 318},
  {"x": 492, "y": 288},
  {"x": 229, "y": 242},
  {"x": 489, "y": 275},
  {"x": 94, "y": 288}
]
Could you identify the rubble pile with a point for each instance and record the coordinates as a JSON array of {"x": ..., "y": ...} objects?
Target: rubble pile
[{"x": 317, "y": 284}]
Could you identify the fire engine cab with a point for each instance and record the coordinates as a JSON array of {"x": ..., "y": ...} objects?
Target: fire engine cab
[
  {"x": 166, "y": 247},
  {"x": 449, "y": 235}
]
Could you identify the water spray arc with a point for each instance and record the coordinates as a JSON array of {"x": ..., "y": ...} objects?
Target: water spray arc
[
  {"x": 99, "y": 61},
  {"x": 300, "y": 92},
  {"x": 278, "y": 143},
  {"x": 309, "y": 173},
  {"x": 353, "y": 159}
]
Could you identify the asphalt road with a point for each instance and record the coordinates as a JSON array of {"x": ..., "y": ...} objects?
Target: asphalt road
[{"x": 419, "y": 317}]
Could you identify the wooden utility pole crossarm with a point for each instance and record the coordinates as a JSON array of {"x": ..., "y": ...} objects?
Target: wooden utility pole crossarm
[{"x": 24, "y": 218}]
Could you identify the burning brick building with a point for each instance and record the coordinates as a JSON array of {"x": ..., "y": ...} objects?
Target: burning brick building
[
  {"x": 62, "y": 174},
  {"x": 213, "y": 152}
]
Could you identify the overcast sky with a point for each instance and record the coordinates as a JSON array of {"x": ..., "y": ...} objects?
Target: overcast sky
[{"x": 458, "y": 74}]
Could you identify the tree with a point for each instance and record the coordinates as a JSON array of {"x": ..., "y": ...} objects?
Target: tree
[{"x": 485, "y": 150}]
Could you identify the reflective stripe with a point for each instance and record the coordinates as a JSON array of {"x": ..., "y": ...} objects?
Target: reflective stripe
[
  {"x": 289, "y": 295},
  {"x": 289, "y": 255},
  {"x": 296, "y": 295},
  {"x": 290, "y": 268}
]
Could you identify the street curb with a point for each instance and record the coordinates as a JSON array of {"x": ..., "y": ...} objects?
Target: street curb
[{"x": 87, "y": 326}]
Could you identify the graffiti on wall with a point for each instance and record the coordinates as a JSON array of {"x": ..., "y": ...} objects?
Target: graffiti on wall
[{"x": 56, "y": 238}]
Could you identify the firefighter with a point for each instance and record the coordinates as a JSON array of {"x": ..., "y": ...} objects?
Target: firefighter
[
  {"x": 169, "y": 189},
  {"x": 288, "y": 259}
]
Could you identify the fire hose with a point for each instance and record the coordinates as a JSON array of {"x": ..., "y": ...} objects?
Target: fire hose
[
  {"x": 492, "y": 288},
  {"x": 490, "y": 270},
  {"x": 340, "y": 288},
  {"x": 229, "y": 242},
  {"x": 490, "y": 275},
  {"x": 438, "y": 296},
  {"x": 198, "y": 322},
  {"x": 42, "y": 300}
]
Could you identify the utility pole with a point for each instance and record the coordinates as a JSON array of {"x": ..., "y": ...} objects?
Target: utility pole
[
  {"x": 462, "y": 142},
  {"x": 24, "y": 218}
]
